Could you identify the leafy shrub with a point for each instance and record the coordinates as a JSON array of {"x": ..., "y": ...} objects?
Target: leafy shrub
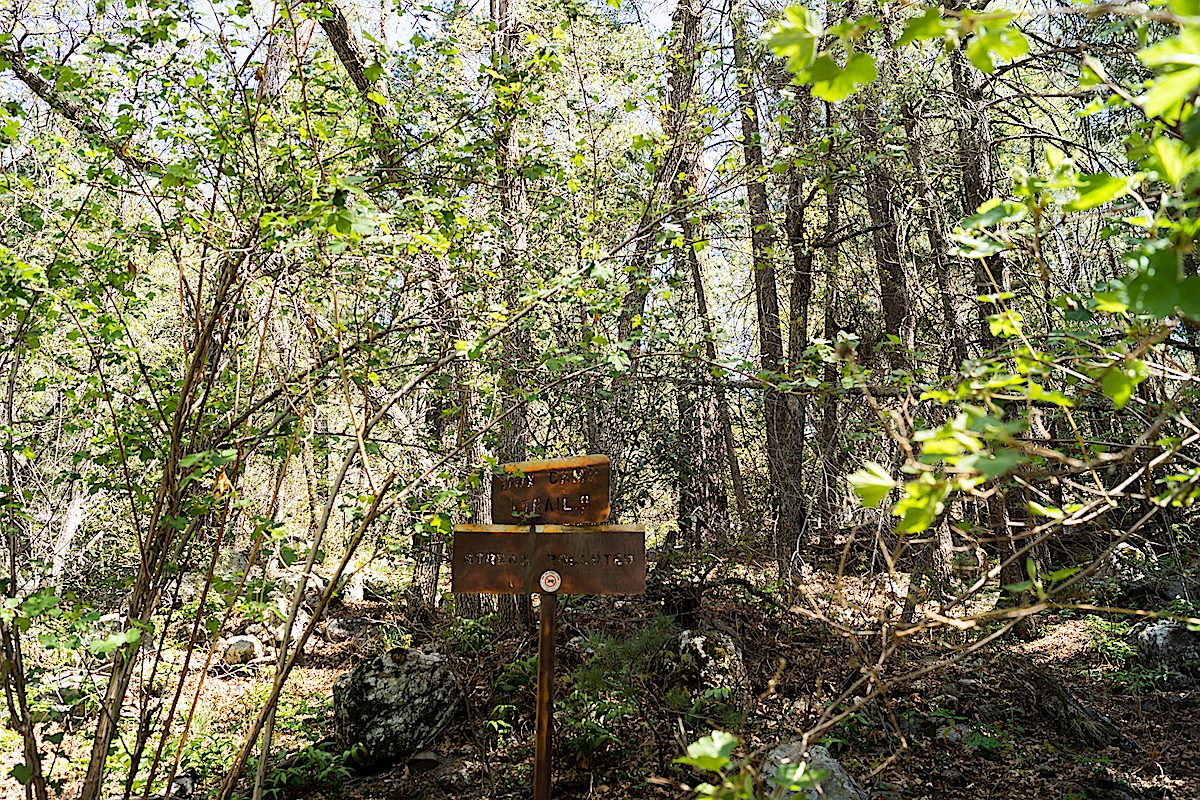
[
  {"x": 738, "y": 779},
  {"x": 317, "y": 766}
]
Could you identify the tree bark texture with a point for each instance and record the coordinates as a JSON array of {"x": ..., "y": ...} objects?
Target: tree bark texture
[
  {"x": 828, "y": 436},
  {"x": 515, "y": 611},
  {"x": 934, "y": 217},
  {"x": 679, "y": 126},
  {"x": 881, "y": 192},
  {"x": 783, "y": 415}
]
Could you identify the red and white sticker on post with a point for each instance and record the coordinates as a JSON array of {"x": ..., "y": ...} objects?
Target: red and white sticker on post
[{"x": 550, "y": 581}]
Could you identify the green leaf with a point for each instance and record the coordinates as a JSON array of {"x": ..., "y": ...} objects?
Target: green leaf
[
  {"x": 1038, "y": 392},
  {"x": 43, "y": 601},
  {"x": 796, "y": 777},
  {"x": 1170, "y": 159},
  {"x": 922, "y": 502},
  {"x": 1120, "y": 381},
  {"x": 1158, "y": 287},
  {"x": 1045, "y": 511},
  {"x": 929, "y": 25},
  {"x": 976, "y": 246},
  {"x": 1091, "y": 73},
  {"x": 1100, "y": 188},
  {"x": 1185, "y": 8},
  {"x": 710, "y": 752},
  {"x": 996, "y": 45},
  {"x": 795, "y": 37},
  {"x": 1182, "y": 50},
  {"x": 1061, "y": 574},
  {"x": 994, "y": 464},
  {"x": 995, "y": 212},
  {"x": 833, "y": 83},
  {"x": 376, "y": 98},
  {"x": 1110, "y": 303},
  {"x": 21, "y": 773},
  {"x": 1167, "y": 93},
  {"x": 1005, "y": 324},
  {"x": 102, "y": 647},
  {"x": 872, "y": 483}
]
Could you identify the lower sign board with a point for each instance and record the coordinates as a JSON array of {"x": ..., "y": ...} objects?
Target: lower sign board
[{"x": 549, "y": 559}]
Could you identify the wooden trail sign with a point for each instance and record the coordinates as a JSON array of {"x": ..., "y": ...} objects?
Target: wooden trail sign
[
  {"x": 563, "y": 491},
  {"x": 549, "y": 559}
]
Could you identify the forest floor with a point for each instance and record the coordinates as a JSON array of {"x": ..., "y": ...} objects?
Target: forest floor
[
  {"x": 974, "y": 727},
  {"x": 970, "y": 728}
]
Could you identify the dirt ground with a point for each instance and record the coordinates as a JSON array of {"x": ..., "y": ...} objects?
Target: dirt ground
[
  {"x": 943, "y": 726},
  {"x": 927, "y": 720}
]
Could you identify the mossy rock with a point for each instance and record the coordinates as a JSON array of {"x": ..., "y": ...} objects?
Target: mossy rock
[{"x": 705, "y": 670}]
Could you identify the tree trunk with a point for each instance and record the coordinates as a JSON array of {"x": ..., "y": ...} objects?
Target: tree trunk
[
  {"x": 976, "y": 161},
  {"x": 12, "y": 663},
  {"x": 784, "y": 435},
  {"x": 679, "y": 125},
  {"x": 881, "y": 192},
  {"x": 976, "y": 148},
  {"x": 828, "y": 436},
  {"x": 935, "y": 229},
  {"x": 287, "y": 44},
  {"x": 704, "y": 421},
  {"x": 515, "y": 611}
]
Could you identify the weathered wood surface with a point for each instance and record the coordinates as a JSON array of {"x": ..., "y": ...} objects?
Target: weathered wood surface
[
  {"x": 562, "y": 491},
  {"x": 512, "y": 559}
]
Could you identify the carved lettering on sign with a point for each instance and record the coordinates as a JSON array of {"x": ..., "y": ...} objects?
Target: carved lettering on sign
[
  {"x": 511, "y": 559},
  {"x": 567, "y": 491}
]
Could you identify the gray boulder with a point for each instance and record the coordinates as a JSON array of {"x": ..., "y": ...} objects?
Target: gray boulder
[
  {"x": 367, "y": 584},
  {"x": 1169, "y": 643},
  {"x": 365, "y": 634},
  {"x": 231, "y": 565},
  {"x": 238, "y": 650},
  {"x": 60, "y": 695},
  {"x": 1130, "y": 565},
  {"x": 275, "y": 623},
  {"x": 833, "y": 783},
  {"x": 340, "y": 629},
  {"x": 288, "y": 585},
  {"x": 396, "y": 704},
  {"x": 711, "y": 662}
]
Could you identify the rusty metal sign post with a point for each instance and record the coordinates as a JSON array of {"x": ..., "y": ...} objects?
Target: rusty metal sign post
[{"x": 549, "y": 541}]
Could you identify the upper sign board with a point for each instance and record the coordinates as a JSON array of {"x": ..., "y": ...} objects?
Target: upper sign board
[{"x": 555, "y": 491}]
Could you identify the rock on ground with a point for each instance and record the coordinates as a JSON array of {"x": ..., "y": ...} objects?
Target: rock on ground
[
  {"x": 288, "y": 585},
  {"x": 367, "y": 584},
  {"x": 835, "y": 783},
  {"x": 1168, "y": 641},
  {"x": 1171, "y": 644},
  {"x": 340, "y": 629},
  {"x": 279, "y": 628},
  {"x": 241, "y": 650},
  {"x": 708, "y": 660},
  {"x": 61, "y": 694},
  {"x": 395, "y": 704}
]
